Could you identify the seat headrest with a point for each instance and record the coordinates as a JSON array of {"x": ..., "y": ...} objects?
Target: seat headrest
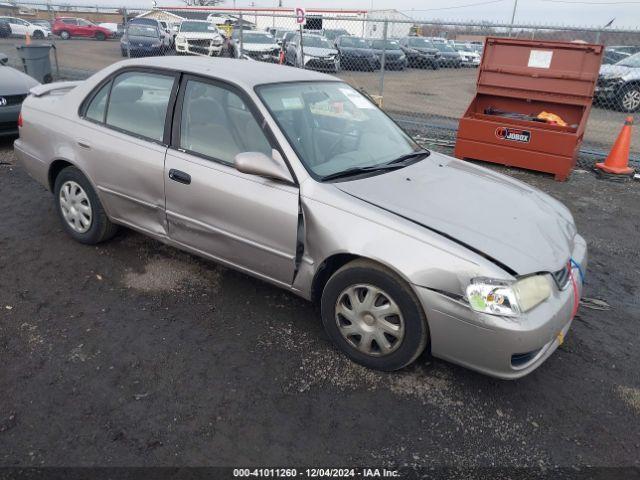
[
  {"x": 126, "y": 94},
  {"x": 205, "y": 110}
]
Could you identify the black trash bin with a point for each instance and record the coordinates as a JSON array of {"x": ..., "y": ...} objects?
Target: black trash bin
[{"x": 36, "y": 61}]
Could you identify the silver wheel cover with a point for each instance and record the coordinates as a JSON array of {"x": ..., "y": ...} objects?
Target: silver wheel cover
[
  {"x": 75, "y": 206},
  {"x": 369, "y": 320}
]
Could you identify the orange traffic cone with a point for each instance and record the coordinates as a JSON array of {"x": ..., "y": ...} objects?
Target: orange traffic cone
[
  {"x": 618, "y": 160},
  {"x": 27, "y": 39},
  {"x": 281, "y": 57}
]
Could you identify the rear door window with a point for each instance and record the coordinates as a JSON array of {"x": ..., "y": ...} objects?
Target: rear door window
[
  {"x": 98, "y": 106},
  {"x": 138, "y": 103}
]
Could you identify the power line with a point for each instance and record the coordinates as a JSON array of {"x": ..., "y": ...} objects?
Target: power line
[
  {"x": 579, "y": 2},
  {"x": 455, "y": 7}
]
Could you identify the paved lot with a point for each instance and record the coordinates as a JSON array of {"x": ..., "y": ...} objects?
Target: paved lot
[
  {"x": 416, "y": 95},
  {"x": 133, "y": 353}
]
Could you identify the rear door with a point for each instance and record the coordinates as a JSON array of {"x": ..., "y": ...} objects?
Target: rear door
[
  {"x": 247, "y": 221},
  {"x": 18, "y": 27},
  {"x": 124, "y": 139}
]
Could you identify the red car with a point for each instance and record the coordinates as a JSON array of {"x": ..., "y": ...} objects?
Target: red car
[{"x": 67, "y": 27}]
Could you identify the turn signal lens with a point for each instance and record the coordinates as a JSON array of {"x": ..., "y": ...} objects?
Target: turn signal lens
[{"x": 20, "y": 120}]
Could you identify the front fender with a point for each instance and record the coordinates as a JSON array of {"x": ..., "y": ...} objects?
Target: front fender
[{"x": 419, "y": 256}]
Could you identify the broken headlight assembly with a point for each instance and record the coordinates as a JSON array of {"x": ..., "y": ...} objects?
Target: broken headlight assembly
[{"x": 507, "y": 298}]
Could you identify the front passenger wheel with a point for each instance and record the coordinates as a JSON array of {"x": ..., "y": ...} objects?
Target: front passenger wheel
[
  {"x": 373, "y": 316},
  {"x": 80, "y": 210},
  {"x": 64, "y": 35}
]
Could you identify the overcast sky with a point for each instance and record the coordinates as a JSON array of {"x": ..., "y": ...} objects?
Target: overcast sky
[{"x": 567, "y": 12}]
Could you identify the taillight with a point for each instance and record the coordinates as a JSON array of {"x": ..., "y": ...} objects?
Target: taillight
[{"x": 20, "y": 120}]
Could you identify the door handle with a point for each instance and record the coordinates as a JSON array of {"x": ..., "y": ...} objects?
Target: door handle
[
  {"x": 180, "y": 177},
  {"x": 84, "y": 144}
]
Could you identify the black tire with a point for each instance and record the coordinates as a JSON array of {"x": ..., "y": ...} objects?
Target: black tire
[
  {"x": 416, "y": 333},
  {"x": 625, "y": 102},
  {"x": 101, "y": 228},
  {"x": 64, "y": 35},
  {"x": 100, "y": 36},
  {"x": 38, "y": 35}
]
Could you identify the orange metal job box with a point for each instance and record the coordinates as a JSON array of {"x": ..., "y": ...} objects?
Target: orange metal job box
[{"x": 517, "y": 81}]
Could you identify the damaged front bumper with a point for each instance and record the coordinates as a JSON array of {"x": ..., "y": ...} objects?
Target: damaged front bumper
[{"x": 503, "y": 347}]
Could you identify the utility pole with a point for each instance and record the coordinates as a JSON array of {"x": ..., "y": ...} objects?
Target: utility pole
[{"x": 513, "y": 15}]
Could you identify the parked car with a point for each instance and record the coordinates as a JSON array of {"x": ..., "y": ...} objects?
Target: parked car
[
  {"x": 22, "y": 28},
  {"x": 469, "y": 57},
  {"x": 14, "y": 87},
  {"x": 286, "y": 38},
  {"x": 199, "y": 37},
  {"x": 420, "y": 52},
  {"x": 334, "y": 33},
  {"x": 611, "y": 56},
  {"x": 318, "y": 192},
  {"x": 5, "y": 29},
  {"x": 356, "y": 54},
  {"x": 141, "y": 40},
  {"x": 395, "y": 58},
  {"x": 165, "y": 31},
  {"x": 68, "y": 27},
  {"x": 449, "y": 56},
  {"x": 312, "y": 51},
  {"x": 260, "y": 46},
  {"x": 46, "y": 24},
  {"x": 618, "y": 85},
  {"x": 116, "y": 28}
]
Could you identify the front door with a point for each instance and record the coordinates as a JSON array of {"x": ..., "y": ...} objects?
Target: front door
[
  {"x": 124, "y": 147},
  {"x": 247, "y": 221}
]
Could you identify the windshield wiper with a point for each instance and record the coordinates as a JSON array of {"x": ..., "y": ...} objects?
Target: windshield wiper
[
  {"x": 392, "y": 165},
  {"x": 358, "y": 170},
  {"x": 409, "y": 156}
]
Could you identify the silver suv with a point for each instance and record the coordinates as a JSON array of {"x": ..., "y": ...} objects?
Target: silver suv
[{"x": 619, "y": 85}]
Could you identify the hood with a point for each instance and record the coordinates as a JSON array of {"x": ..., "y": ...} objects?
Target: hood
[
  {"x": 200, "y": 35},
  {"x": 356, "y": 52},
  {"x": 432, "y": 51},
  {"x": 394, "y": 52},
  {"x": 14, "y": 82},
  {"x": 260, "y": 47},
  {"x": 519, "y": 226},
  {"x": 617, "y": 71},
  {"x": 318, "y": 51}
]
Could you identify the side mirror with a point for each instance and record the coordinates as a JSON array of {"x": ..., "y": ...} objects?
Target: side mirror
[
  {"x": 257, "y": 163},
  {"x": 3, "y": 59}
]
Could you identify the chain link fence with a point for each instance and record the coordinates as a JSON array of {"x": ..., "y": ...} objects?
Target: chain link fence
[{"x": 422, "y": 72}]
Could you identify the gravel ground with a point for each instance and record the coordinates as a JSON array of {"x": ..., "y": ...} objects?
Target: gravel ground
[{"x": 134, "y": 353}]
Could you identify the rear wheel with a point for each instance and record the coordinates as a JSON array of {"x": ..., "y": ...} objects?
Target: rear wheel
[
  {"x": 38, "y": 35},
  {"x": 64, "y": 35},
  {"x": 373, "y": 316},
  {"x": 629, "y": 100},
  {"x": 100, "y": 36},
  {"x": 80, "y": 210}
]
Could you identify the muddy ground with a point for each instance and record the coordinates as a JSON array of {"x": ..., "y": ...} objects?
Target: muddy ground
[{"x": 133, "y": 353}]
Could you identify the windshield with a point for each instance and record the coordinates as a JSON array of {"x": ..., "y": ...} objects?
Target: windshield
[
  {"x": 315, "y": 41},
  {"x": 420, "y": 42},
  {"x": 353, "y": 42},
  {"x": 443, "y": 47},
  {"x": 633, "y": 61},
  {"x": 380, "y": 45},
  {"x": 333, "y": 127},
  {"x": 256, "y": 38},
  {"x": 142, "y": 31},
  {"x": 198, "y": 27}
]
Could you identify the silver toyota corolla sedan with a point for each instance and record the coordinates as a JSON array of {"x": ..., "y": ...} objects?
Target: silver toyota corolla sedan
[{"x": 296, "y": 178}]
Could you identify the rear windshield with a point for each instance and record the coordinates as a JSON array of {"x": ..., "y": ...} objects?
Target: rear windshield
[{"x": 143, "y": 31}]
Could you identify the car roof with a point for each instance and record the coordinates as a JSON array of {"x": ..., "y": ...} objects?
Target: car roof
[{"x": 245, "y": 73}]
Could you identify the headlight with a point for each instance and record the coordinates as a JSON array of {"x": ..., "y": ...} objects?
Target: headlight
[
  {"x": 500, "y": 297},
  {"x": 403, "y": 56},
  {"x": 181, "y": 40}
]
